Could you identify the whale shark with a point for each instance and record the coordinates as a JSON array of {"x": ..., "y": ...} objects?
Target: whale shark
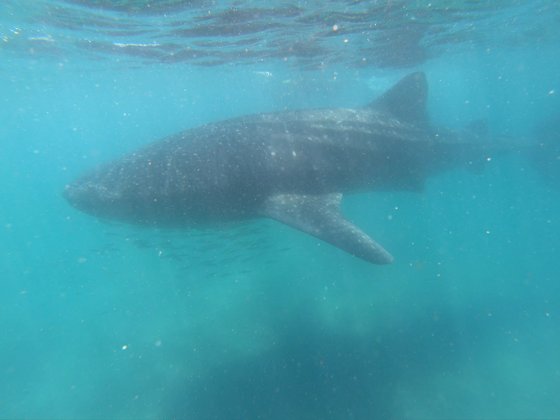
[{"x": 291, "y": 166}]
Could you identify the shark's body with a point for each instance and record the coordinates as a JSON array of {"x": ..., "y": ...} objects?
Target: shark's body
[{"x": 290, "y": 166}]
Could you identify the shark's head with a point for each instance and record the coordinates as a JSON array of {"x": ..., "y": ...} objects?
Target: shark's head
[
  {"x": 94, "y": 195},
  {"x": 132, "y": 189}
]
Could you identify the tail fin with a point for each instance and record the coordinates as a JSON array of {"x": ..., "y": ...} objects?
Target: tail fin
[
  {"x": 479, "y": 128},
  {"x": 545, "y": 156}
]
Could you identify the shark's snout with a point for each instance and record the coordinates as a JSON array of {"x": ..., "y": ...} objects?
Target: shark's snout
[
  {"x": 80, "y": 196},
  {"x": 72, "y": 194},
  {"x": 89, "y": 196}
]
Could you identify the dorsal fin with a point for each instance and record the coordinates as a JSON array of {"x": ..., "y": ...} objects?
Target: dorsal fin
[{"x": 406, "y": 100}]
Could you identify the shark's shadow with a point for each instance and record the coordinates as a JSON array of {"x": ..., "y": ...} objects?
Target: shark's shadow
[{"x": 314, "y": 373}]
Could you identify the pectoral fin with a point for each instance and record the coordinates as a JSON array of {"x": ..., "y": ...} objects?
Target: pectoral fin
[{"x": 319, "y": 215}]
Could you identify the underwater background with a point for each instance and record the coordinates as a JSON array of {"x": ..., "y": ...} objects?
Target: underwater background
[{"x": 259, "y": 321}]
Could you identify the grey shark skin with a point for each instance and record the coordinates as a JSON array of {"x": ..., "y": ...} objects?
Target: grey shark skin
[{"x": 290, "y": 166}]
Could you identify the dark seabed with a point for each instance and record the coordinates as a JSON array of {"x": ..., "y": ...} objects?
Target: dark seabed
[{"x": 101, "y": 320}]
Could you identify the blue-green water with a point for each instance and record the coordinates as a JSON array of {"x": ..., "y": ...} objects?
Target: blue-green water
[{"x": 258, "y": 321}]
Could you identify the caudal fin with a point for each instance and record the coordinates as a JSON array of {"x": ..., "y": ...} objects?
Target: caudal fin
[{"x": 545, "y": 156}]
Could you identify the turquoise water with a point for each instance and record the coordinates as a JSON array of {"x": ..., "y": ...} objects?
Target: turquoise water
[{"x": 105, "y": 320}]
